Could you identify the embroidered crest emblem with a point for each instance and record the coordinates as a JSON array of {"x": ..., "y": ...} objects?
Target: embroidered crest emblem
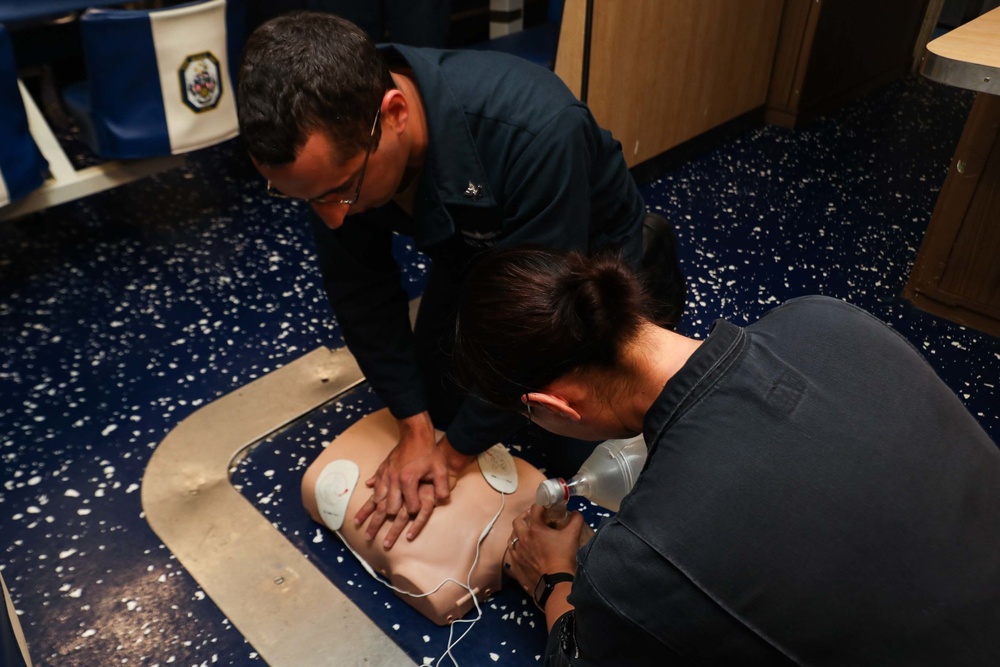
[
  {"x": 474, "y": 192},
  {"x": 201, "y": 82}
]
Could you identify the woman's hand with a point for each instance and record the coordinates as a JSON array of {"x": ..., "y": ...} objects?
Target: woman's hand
[{"x": 535, "y": 549}]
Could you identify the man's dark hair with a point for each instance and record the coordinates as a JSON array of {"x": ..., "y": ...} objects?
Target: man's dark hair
[{"x": 307, "y": 71}]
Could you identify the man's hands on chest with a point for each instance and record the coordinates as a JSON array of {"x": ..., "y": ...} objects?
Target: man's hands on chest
[{"x": 417, "y": 474}]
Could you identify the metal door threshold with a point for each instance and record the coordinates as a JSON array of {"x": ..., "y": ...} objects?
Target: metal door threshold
[{"x": 281, "y": 603}]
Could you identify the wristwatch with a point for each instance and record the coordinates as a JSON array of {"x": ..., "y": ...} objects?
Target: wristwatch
[{"x": 546, "y": 582}]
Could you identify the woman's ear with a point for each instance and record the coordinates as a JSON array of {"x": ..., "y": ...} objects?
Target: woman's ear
[{"x": 552, "y": 403}]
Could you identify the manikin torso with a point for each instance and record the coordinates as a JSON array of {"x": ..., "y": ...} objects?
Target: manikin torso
[{"x": 447, "y": 545}]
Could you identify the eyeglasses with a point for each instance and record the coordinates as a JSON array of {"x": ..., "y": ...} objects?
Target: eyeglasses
[
  {"x": 332, "y": 199},
  {"x": 527, "y": 408}
]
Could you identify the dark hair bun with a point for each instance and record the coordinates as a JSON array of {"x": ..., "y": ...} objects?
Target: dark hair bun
[
  {"x": 598, "y": 301},
  {"x": 531, "y": 315}
]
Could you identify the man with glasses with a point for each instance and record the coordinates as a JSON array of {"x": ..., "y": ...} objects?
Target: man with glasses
[
  {"x": 337, "y": 195},
  {"x": 462, "y": 151}
]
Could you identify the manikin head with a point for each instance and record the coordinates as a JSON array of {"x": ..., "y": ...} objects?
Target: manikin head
[
  {"x": 320, "y": 114},
  {"x": 550, "y": 333}
]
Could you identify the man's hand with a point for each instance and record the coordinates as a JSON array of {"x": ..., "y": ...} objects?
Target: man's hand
[{"x": 417, "y": 474}]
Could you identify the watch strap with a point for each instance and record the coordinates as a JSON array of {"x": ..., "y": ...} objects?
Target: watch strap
[{"x": 549, "y": 581}]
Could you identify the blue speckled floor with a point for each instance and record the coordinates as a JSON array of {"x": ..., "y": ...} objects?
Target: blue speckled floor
[{"x": 122, "y": 314}]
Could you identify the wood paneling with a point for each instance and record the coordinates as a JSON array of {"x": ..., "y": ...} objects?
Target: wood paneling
[
  {"x": 664, "y": 71},
  {"x": 791, "y": 60},
  {"x": 931, "y": 17},
  {"x": 569, "y": 54}
]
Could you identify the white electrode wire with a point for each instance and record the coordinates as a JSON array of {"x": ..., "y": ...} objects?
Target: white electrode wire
[{"x": 467, "y": 585}]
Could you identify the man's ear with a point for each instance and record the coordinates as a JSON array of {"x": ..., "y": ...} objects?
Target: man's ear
[
  {"x": 554, "y": 403},
  {"x": 395, "y": 109}
]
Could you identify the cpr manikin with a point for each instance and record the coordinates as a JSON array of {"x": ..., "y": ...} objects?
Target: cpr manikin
[{"x": 446, "y": 548}]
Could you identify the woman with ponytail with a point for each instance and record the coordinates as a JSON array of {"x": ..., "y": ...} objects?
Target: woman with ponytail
[{"x": 814, "y": 493}]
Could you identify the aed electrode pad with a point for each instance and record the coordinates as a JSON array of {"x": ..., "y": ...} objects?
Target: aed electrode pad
[
  {"x": 333, "y": 491},
  {"x": 498, "y": 468}
]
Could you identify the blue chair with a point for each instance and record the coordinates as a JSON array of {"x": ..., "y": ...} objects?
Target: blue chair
[
  {"x": 159, "y": 82},
  {"x": 537, "y": 43},
  {"x": 22, "y": 167}
]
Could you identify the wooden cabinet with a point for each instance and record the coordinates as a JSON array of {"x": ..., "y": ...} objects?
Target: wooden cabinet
[
  {"x": 658, "y": 73},
  {"x": 957, "y": 271},
  {"x": 829, "y": 52}
]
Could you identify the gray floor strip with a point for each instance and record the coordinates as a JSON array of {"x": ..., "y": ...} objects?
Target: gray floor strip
[{"x": 284, "y": 606}]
